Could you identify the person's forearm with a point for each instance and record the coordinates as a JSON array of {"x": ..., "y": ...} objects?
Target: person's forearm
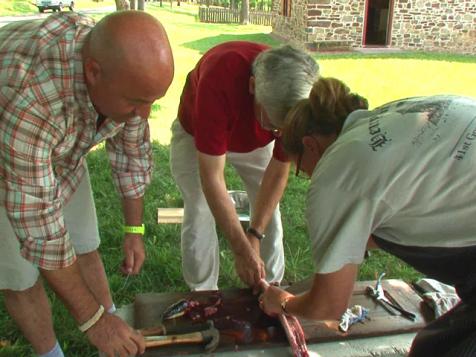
[
  {"x": 214, "y": 187},
  {"x": 305, "y": 306},
  {"x": 225, "y": 214},
  {"x": 70, "y": 287},
  {"x": 271, "y": 190},
  {"x": 328, "y": 297},
  {"x": 133, "y": 211}
]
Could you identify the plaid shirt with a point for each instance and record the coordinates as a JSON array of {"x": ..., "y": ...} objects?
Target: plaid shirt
[{"x": 47, "y": 126}]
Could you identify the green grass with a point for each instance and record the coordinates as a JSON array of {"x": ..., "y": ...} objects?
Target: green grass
[
  {"x": 379, "y": 77},
  {"x": 26, "y": 7},
  {"x": 17, "y": 7}
]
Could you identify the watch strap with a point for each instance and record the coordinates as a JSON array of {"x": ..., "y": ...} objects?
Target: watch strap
[{"x": 255, "y": 233}]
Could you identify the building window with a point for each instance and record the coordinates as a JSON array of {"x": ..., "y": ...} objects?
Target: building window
[{"x": 286, "y": 8}]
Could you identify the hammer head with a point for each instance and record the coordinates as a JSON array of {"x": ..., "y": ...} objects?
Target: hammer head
[{"x": 211, "y": 336}]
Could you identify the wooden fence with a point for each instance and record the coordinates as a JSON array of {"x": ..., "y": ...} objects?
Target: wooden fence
[{"x": 221, "y": 15}]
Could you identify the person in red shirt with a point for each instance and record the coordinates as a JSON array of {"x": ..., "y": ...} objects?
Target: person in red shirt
[{"x": 232, "y": 106}]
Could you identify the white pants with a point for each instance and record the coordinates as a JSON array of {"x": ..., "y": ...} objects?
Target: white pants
[
  {"x": 16, "y": 273},
  {"x": 200, "y": 251}
]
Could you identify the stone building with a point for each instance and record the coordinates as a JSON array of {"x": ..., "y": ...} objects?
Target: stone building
[{"x": 429, "y": 25}]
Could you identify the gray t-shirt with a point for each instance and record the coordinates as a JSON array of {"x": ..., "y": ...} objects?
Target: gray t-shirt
[{"x": 405, "y": 172}]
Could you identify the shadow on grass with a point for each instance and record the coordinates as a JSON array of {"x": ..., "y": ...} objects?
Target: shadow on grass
[
  {"x": 206, "y": 43},
  {"x": 429, "y": 56},
  {"x": 171, "y": 7}
]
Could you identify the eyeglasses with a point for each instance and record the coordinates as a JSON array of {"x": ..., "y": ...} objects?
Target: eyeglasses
[{"x": 298, "y": 163}]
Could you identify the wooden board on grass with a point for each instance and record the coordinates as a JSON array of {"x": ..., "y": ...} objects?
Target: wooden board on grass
[
  {"x": 241, "y": 305},
  {"x": 169, "y": 215}
]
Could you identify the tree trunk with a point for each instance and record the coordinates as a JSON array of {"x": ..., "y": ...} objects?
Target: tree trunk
[
  {"x": 245, "y": 12},
  {"x": 141, "y": 5},
  {"x": 132, "y": 4},
  {"x": 122, "y": 5}
]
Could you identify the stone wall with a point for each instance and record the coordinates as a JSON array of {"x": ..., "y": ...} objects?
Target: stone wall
[
  {"x": 433, "y": 25},
  {"x": 321, "y": 20},
  {"x": 335, "y": 20},
  {"x": 292, "y": 28},
  {"x": 430, "y": 25}
]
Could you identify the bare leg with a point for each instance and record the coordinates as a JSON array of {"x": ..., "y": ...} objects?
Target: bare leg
[
  {"x": 31, "y": 311},
  {"x": 92, "y": 271}
]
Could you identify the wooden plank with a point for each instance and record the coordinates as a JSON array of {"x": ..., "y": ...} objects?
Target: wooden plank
[
  {"x": 175, "y": 215},
  {"x": 240, "y": 304},
  {"x": 381, "y": 321},
  {"x": 169, "y": 215}
]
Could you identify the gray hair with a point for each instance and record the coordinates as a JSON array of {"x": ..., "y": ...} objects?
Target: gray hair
[{"x": 283, "y": 76}]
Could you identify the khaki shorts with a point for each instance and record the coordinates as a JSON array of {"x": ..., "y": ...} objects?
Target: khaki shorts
[{"x": 16, "y": 273}]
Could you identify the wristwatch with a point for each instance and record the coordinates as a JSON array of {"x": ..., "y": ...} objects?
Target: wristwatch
[{"x": 255, "y": 233}]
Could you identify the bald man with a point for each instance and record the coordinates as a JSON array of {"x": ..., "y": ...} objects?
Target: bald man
[{"x": 66, "y": 85}]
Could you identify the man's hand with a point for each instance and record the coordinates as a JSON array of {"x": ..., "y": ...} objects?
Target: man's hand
[
  {"x": 255, "y": 244},
  {"x": 134, "y": 254},
  {"x": 110, "y": 334},
  {"x": 115, "y": 338},
  {"x": 250, "y": 268}
]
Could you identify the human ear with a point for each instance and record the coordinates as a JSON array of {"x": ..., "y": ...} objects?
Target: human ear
[
  {"x": 251, "y": 85},
  {"x": 92, "y": 71}
]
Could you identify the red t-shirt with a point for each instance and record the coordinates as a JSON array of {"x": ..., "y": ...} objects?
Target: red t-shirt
[{"x": 216, "y": 107}]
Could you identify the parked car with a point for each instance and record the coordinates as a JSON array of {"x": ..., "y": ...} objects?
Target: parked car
[{"x": 55, "y": 5}]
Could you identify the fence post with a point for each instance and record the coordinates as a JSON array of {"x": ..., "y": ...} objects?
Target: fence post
[{"x": 226, "y": 15}]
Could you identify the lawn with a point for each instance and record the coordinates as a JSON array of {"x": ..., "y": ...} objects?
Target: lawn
[
  {"x": 378, "y": 77},
  {"x": 27, "y": 7}
]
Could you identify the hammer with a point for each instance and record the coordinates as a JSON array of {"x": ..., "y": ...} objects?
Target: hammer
[
  {"x": 173, "y": 330},
  {"x": 210, "y": 336}
]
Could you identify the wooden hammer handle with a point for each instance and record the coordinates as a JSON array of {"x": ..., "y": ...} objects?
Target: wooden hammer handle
[
  {"x": 155, "y": 341},
  {"x": 153, "y": 331}
]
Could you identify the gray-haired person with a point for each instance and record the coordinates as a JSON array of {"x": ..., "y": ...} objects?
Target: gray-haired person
[{"x": 232, "y": 106}]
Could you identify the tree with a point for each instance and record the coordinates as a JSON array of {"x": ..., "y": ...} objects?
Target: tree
[
  {"x": 122, "y": 5},
  {"x": 245, "y": 12},
  {"x": 141, "y": 5},
  {"x": 132, "y": 4}
]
